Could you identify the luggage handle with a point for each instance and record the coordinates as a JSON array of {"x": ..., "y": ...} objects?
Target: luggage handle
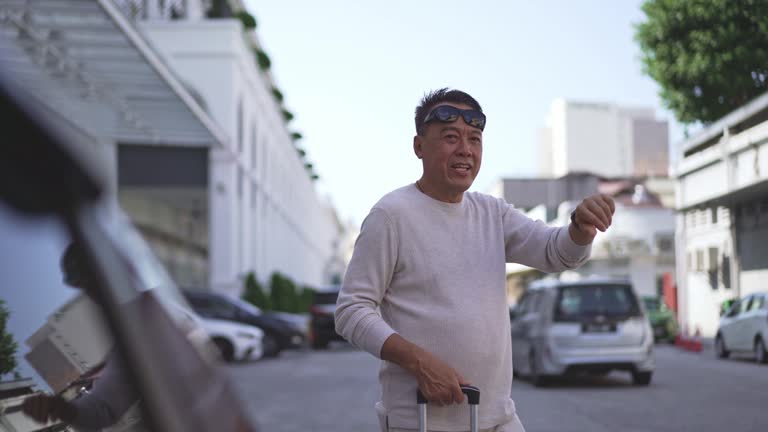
[{"x": 473, "y": 398}]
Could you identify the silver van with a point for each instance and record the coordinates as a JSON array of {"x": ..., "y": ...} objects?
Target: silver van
[{"x": 591, "y": 325}]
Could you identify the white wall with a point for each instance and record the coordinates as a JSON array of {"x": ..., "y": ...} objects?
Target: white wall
[{"x": 265, "y": 214}]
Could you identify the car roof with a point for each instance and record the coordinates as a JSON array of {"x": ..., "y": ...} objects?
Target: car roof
[{"x": 551, "y": 283}]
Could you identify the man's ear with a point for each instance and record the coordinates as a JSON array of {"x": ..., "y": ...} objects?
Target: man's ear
[{"x": 417, "y": 141}]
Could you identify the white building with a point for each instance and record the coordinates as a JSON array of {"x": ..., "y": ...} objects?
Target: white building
[
  {"x": 722, "y": 221},
  {"x": 605, "y": 139},
  {"x": 264, "y": 213},
  {"x": 201, "y": 157}
]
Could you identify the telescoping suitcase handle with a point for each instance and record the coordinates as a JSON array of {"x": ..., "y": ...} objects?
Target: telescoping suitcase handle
[{"x": 473, "y": 398}]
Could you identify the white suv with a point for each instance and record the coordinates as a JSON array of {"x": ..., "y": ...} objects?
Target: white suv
[{"x": 744, "y": 328}]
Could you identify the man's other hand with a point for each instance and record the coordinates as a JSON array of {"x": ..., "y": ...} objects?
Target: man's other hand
[
  {"x": 592, "y": 214},
  {"x": 44, "y": 408}
]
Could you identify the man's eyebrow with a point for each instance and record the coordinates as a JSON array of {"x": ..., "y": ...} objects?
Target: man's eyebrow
[{"x": 449, "y": 128}]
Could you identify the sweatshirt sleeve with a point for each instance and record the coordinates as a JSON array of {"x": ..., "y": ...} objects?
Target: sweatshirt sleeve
[
  {"x": 110, "y": 398},
  {"x": 368, "y": 275},
  {"x": 535, "y": 244}
]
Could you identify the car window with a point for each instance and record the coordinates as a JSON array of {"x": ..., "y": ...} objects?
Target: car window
[
  {"x": 53, "y": 340},
  {"x": 535, "y": 302},
  {"x": 321, "y": 298},
  {"x": 583, "y": 301},
  {"x": 757, "y": 303},
  {"x": 745, "y": 304},
  {"x": 733, "y": 310},
  {"x": 215, "y": 308},
  {"x": 523, "y": 304}
]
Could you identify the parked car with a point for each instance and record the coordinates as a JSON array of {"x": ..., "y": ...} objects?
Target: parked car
[
  {"x": 744, "y": 328},
  {"x": 593, "y": 325},
  {"x": 235, "y": 341},
  {"x": 279, "y": 333},
  {"x": 662, "y": 319},
  {"x": 52, "y": 192},
  {"x": 322, "y": 323}
]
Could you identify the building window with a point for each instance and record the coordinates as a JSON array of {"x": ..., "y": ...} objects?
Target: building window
[
  {"x": 699, "y": 260},
  {"x": 665, "y": 244},
  {"x": 726, "y": 272},
  {"x": 240, "y": 127}
]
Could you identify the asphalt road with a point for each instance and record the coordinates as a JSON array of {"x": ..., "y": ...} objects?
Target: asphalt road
[{"x": 335, "y": 390}]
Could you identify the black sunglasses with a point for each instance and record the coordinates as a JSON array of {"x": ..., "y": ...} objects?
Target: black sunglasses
[{"x": 449, "y": 114}]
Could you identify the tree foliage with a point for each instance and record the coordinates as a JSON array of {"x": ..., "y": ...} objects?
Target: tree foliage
[
  {"x": 8, "y": 346},
  {"x": 248, "y": 20},
  {"x": 708, "y": 56},
  {"x": 254, "y": 293},
  {"x": 263, "y": 60}
]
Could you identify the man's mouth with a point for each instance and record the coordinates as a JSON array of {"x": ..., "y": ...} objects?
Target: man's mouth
[{"x": 462, "y": 167}]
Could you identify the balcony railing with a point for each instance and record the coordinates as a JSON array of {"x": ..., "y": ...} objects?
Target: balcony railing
[{"x": 169, "y": 9}]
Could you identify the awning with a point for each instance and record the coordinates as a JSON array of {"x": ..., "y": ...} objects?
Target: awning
[{"x": 88, "y": 63}]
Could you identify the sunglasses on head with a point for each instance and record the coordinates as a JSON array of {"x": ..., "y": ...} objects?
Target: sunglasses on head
[{"x": 449, "y": 114}]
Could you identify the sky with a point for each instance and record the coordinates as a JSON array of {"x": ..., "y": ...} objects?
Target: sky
[{"x": 353, "y": 72}]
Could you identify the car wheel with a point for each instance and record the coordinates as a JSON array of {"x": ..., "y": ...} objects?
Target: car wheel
[
  {"x": 641, "y": 378},
  {"x": 761, "y": 356},
  {"x": 225, "y": 348},
  {"x": 720, "y": 349},
  {"x": 537, "y": 379},
  {"x": 270, "y": 346}
]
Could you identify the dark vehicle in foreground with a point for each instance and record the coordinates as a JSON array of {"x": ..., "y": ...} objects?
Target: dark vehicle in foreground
[
  {"x": 662, "y": 319},
  {"x": 279, "y": 334},
  {"x": 53, "y": 192},
  {"x": 322, "y": 324},
  {"x": 591, "y": 326}
]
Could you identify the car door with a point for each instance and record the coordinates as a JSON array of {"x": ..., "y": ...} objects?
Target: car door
[
  {"x": 742, "y": 341},
  {"x": 754, "y": 320},
  {"x": 519, "y": 344},
  {"x": 728, "y": 328},
  {"x": 525, "y": 329}
]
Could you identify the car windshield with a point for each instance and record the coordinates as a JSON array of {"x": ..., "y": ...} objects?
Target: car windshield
[
  {"x": 326, "y": 297},
  {"x": 248, "y": 307},
  {"x": 584, "y": 301}
]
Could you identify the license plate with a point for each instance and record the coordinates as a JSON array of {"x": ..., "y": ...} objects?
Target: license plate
[{"x": 599, "y": 328}]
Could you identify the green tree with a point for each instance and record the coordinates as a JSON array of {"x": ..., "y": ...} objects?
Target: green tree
[
  {"x": 8, "y": 346},
  {"x": 248, "y": 20},
  {"x": 263, "y": 60},
  {"x": 708, "y": 56},
  {"x": 254, "y": 293},
  {"x": 305, "y": 299},
  {"x": 280, "y": 292}
]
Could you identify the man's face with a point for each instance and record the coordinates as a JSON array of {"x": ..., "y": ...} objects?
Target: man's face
[{"x": 451, "y": 154}]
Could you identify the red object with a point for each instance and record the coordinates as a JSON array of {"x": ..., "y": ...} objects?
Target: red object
[{"x": 669, "y": 291}]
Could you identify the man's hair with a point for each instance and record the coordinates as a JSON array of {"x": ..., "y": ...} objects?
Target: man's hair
[
  {"x": 437, "y": 97},
  {"x": 75, "y": 266}
]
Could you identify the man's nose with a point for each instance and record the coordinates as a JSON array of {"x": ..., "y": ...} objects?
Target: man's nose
[{"x": 465, "y": 149}]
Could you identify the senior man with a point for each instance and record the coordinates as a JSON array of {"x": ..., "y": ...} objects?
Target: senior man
[{"x": 425, "y": 288}]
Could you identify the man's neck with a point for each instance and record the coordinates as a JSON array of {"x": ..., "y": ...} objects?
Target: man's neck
[{"x": 448, "y": 197}]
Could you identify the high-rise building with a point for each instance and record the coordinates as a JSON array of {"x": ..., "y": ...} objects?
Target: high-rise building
[{"x": 601, "y": 138}]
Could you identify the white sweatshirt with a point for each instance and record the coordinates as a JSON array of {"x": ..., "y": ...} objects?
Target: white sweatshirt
[{"x": 434, "y": 273}]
